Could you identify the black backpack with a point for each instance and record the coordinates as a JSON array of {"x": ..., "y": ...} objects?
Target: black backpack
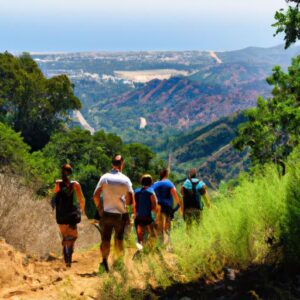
[
  {"x": 191, "y": 198},
  {"x": 66, "y": 211}
]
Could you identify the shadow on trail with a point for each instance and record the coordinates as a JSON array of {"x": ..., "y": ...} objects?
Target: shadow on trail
[
  {"x": 258, "y": 282},
  {"x": 88, "y": 275}
]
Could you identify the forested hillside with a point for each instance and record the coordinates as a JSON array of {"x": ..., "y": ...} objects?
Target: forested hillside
[
  {"x": 36, "y": 139},
  {"x": 208, "y": 148}
]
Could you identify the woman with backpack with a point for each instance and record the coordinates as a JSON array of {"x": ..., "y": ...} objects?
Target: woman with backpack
[
  {"x": 191, "y": 191},
  {"x": 69, "y": 203}
]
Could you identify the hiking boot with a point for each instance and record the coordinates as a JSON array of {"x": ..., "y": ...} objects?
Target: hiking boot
[
  {"x": 68, "y": 256},
  {"x": 103, "y": 267}
]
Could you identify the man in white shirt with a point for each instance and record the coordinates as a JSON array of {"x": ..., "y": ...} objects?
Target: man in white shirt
[{"x": 117, "y": 192}]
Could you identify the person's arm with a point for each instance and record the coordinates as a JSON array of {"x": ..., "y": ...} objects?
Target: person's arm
[
  {"x": 205, "y": 195},
  {"x": 96, "y": 198},
  {"x": 130, "y": 193},
  {"x": 55, "y": 191},
  {"x": 129, "y": 198},
  {"x": 176, "y": 197},
  {"x": 182, "y": 191},
  {"x": 80, "y": 197},
  {"x": 154, "y": 207},
  {"x": 57, "y": 187},
  {"x": 134, "y": 206}
]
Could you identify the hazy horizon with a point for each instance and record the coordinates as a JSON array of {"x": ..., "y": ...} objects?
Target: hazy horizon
[{"x": 136, "y": 25}]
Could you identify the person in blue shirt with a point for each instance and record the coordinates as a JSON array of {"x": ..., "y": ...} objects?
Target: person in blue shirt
[
  {"x": 144, "y": 209},
  {"x": 191, "y": 191},
  {"x": 165, "y": 192}
]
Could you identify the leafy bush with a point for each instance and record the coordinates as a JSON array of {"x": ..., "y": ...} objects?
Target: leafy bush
[{"x": 13, "y": 150}]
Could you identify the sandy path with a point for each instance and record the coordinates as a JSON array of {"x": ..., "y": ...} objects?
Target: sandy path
[
  {"x": 51, "y": 280},
  {"x": 37, "y": 279}
]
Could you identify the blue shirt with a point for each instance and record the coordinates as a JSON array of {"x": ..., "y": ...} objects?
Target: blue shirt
[
  {"x": 162, "y": 190},
  {"x": 143, "y": 202}
]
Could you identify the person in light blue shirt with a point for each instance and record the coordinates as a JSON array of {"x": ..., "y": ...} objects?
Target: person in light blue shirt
[{"x": 192, "y": 191}]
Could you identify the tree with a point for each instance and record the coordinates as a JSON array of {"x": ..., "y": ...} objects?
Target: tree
[
  {"x": 32, "y": 104},
  {"x": 288, "y": 22},
  {"x": 138, "y": 161},
  {"x": 274, "y": 125},
  {"x": 13, "y": 150}
]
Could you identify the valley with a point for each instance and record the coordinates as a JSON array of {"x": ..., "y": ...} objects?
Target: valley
[{"x": 158, "y": 97}]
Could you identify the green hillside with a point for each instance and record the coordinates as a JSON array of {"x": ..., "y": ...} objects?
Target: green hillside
[{"x": 208, "y": 148}]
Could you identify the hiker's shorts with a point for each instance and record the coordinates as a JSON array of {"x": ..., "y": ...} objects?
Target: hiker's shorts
[
  {"x": 113, "y": 222},
  {"x": 191, "y": 215}
]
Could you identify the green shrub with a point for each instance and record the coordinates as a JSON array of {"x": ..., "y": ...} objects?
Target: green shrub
[
  {"x": 236, "y": 229},
  {"x": 13, "y": 150},
  {"x": 291, "y": 232}
]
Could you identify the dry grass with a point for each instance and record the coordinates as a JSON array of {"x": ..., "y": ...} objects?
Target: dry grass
[{"x": 28, "y": 223}]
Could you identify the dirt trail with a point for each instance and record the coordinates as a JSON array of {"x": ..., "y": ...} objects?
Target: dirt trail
[{"x": 23, "y": 277}]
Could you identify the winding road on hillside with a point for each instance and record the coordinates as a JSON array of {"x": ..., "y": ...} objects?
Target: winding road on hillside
[
  {"x": 215, "y": 57},
  {"x": 84, "y": 123}
]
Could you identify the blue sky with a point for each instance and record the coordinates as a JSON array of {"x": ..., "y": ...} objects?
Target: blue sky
[{"x": 116, "y": 25}]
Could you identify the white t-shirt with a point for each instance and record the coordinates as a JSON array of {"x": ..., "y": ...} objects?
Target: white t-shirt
[{"x": 115, "y": 186}]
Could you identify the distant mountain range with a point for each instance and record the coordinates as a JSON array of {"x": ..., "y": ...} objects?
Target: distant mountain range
[{"x": 187, "y": 111}]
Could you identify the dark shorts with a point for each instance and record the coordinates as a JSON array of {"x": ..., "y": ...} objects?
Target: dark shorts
[
  {"x": 143, "y": 221},
  {"x": 192, "y": 215},
  {"x": 167, "y": 210},
  {"x": 113, "y": 222}
]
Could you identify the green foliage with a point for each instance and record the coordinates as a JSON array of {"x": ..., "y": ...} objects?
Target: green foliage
[
  {"x": 25, "y": 94},
  {"x": 13, "y": 150},
  {"x": 292, "y": 225},
  {"x": 234, "y": 231},
  {"x": 273, "y": 127},
  {"x": 34, "y": 168},
  {"x": 139, "y": 161},
  {"x": 288, "y": 22}
]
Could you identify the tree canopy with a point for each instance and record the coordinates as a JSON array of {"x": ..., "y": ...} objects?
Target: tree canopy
[
  {"x": 32, "y": 104},
  {"x": 288, "y": 22},
  {"x": 274, "y": 125}
]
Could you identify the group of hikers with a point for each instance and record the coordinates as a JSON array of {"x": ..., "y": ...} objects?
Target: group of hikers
[{"x": 152, "y": 208}]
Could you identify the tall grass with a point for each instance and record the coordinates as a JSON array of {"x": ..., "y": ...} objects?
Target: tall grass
[
  {"x": 238, "y": 230},
  {"x": 257, "y": 222}
]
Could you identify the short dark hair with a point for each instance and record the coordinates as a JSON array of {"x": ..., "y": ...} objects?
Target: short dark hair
[
  {"x": 117, "y": 160},
  {"x": 146, "y": 180},
  {"x": 67, "y": 167},
  {"x": 193, "y": 173},
  {"x": 163, "y": 173}
]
